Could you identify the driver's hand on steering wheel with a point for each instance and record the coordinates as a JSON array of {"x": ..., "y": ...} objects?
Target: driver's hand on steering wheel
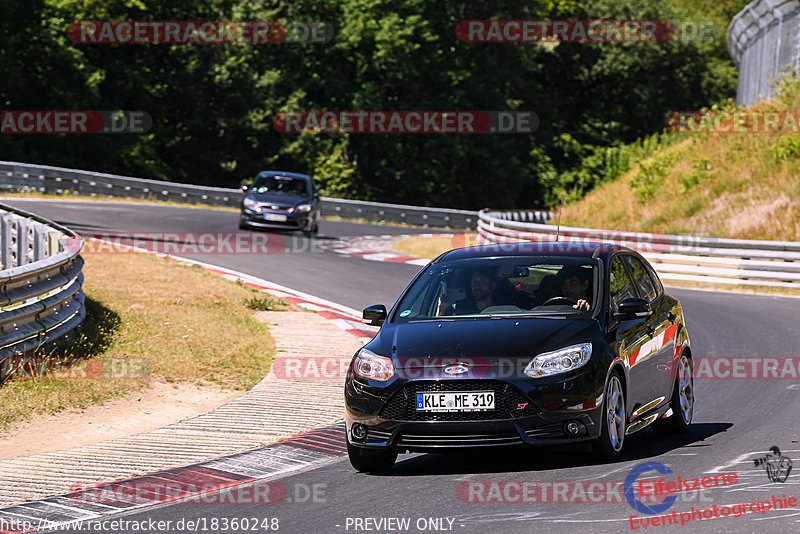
[{"x": 582, "y": 304}]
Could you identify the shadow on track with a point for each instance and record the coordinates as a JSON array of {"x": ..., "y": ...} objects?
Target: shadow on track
[{"x": 640, "y": 446}]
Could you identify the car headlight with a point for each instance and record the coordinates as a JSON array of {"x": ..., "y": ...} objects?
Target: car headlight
[
  {"x": 251, "y": 204},
  {"x": 370, "y": 366},
  {"x": 559, "y": 361},
  {"x": 303, "y": 208}
]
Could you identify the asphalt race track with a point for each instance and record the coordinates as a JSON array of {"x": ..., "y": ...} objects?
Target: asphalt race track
[{"x": 735, "y": 420}]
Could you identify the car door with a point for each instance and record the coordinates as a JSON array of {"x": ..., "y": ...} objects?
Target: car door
[
  {"x": 631, "y": 336},
  {"x": 663, "y": 320},
  {"x": 656, "y": 349}
]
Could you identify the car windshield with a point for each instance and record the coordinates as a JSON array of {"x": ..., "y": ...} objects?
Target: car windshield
[
  {"x": 281, "y": 185},
  {"x": 501, "y": 287}
]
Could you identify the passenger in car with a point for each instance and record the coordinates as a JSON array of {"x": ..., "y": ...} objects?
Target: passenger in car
[{"x": 482, "y": 288}]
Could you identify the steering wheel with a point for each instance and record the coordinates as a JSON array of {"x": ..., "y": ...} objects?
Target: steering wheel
[{"x": 559, "y": 300}]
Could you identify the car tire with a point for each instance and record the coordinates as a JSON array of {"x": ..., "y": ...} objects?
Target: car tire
[
  {"x": 313, "y": 232},
  {"x": 682, "y": 401},
  {"x": 369, "y": 460},
  {"x": 612, "y": 434},
  {"x": 243, "y": 226}
]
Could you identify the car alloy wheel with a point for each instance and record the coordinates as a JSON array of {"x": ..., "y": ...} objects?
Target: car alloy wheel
[
  {"x": 682, "y": 401},
  {"x": 612, "y": 432},
  {"x": 686, "y": 390},
  {"x": 615, "y": 414}
]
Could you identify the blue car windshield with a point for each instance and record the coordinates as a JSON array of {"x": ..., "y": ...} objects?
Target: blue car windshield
[
  {"x": 281, "y": 185},
  {"x": 500, "y": 287}
]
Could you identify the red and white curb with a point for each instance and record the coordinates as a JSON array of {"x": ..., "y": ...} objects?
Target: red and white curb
[
  {"x": 244, "y": 478},
  {"x": 344, "y": 317},
  {"x": 376, "y": 248}
]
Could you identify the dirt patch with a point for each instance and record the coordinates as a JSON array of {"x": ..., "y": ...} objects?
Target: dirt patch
[
  {"x": 159, "y": 405},
  {"x": 741, "y": 213},
  {"x": 756, "y": 214}
]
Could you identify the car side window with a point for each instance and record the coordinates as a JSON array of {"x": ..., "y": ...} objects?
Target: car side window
[
  {"x": 641, "y": 278},
  {"x": 620, "y": 286},
  {"x": 654, "y": 277}
]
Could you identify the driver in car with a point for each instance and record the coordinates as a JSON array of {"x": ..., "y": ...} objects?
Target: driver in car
[{"x": 575, "y": 282}]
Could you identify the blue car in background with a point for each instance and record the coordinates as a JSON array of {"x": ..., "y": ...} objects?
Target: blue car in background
[{"x": 281, "y": 201}]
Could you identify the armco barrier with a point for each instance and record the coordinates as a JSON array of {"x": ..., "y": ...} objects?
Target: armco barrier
[
  {"x": 57, "y": 180},
  {"x": 764, "y": 41},
  {"x": 41, "y": 295},
  {"x": 675, "y": 257}
]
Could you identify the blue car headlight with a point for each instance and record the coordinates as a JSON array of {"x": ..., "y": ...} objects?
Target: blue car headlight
[{"x": 559, "y": 361}]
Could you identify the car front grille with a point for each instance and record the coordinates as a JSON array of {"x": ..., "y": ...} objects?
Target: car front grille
[
  {"x": 458, "y": 440},
  {"x": 510, "y": 403}
]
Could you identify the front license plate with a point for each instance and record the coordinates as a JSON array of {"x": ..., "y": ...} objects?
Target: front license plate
[
  {"x": 455, "y": 401},
  {"x": 275, "y": 217}
]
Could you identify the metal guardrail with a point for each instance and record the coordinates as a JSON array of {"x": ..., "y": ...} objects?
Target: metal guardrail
[
  {"x": 41, "y": 295},
  {"x": 399, "y": 213},
  {"x": 57, "y": 180},
  {"x": 675, "y": 257},
  {"x": 764, "y": 41}
]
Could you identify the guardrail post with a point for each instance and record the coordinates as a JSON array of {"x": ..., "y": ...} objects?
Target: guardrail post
[
  {"x": 53, "y": 242},
  {"x": 6, "y": 256},
  {"x": 22, "y": 241},
  {"x": 39, "y": 242}
]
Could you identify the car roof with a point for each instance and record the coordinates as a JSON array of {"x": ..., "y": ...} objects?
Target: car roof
[
  {"x": 284, "y": 173},
  {"x": 588, "y": 249}
]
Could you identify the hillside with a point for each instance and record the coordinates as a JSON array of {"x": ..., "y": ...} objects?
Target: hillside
[{"x": 739, "y": 185}]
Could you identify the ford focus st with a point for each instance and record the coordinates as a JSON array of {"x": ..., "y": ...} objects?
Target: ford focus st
[{"x": 520, "y": 345}]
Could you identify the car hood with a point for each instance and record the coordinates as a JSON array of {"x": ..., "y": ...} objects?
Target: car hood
[
  {"x": 281, "y": 201},
  {"x": 480, "y": 342}
]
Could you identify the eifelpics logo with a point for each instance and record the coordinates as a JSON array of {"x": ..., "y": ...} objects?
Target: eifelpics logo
[{"x": 775, "y": 464}]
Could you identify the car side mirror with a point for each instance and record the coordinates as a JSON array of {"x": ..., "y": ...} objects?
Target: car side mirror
[
  {"x": 317, "y": 196},
  {"x": 243, "y": 187},
  {"x": 633, "y": 308},
  {"x": 374, "y": 315}
]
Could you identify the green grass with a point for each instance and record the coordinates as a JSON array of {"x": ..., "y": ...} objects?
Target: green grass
[
  {"x": 147, "y": 318},
  {"x": 722, "y": 185}
]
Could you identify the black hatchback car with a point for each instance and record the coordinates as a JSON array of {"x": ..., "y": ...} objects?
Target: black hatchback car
[
  {"x": 281, "y": 200},
  {"x": 522, "y": 344}
]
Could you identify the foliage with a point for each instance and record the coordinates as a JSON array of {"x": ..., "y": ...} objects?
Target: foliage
[
  {"x": 212, "y": 105},
  {"x": 700, "y": 171},
  {"x": 261, "y": 304},
  {"x": 787, "y": 148},
  {"x": 646, "y": 181}
]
